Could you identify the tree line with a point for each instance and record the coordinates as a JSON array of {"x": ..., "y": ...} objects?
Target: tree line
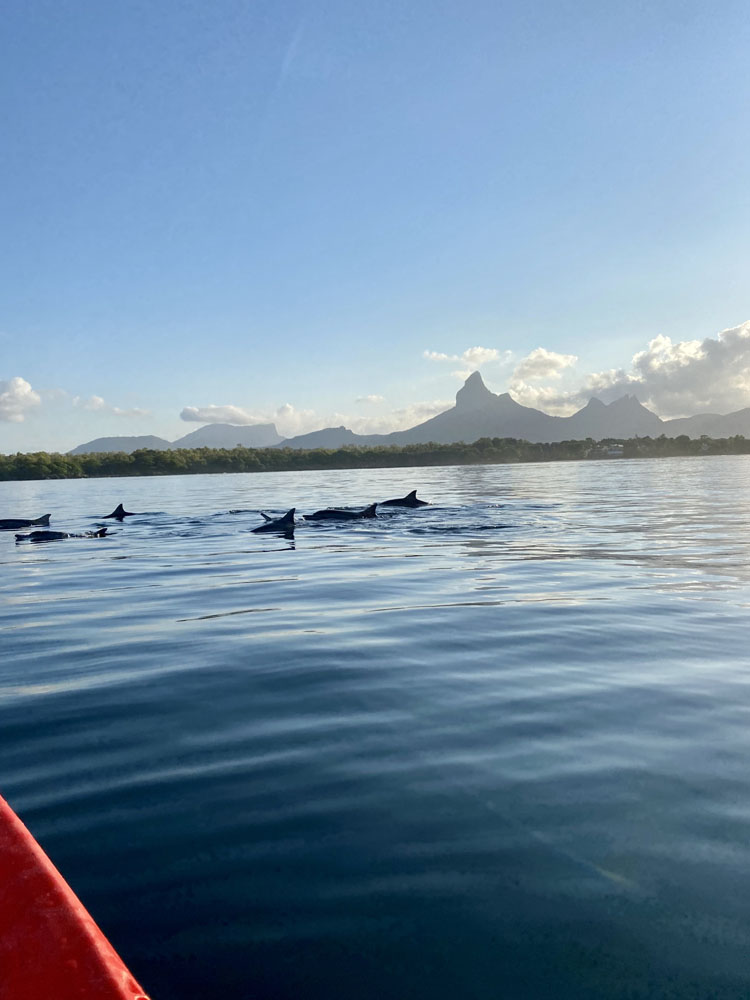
[{"x": 485, "y": 451}]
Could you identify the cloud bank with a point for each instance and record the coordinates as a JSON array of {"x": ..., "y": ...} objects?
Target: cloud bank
[
  {"x": 290, "y": 421},
  {"x": 543, "y": 364},
  {"x": 17, "y": 400},
  {"x": 219, "y": 415},
  {"x": 673, "y": 379}
]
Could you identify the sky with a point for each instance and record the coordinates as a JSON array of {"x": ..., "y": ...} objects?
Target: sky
[{"x": 331, "y": 212}]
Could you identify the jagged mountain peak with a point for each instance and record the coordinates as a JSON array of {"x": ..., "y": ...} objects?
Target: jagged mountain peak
[
  {"x": 627, "y": 402},
  {"x": 474, "y": 393}
]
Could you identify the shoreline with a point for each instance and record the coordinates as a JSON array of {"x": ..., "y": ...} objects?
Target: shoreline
[{"x": 24, "y": 467}]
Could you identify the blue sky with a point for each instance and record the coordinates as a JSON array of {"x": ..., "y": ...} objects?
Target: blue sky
[{"x": 282, "y": 206}]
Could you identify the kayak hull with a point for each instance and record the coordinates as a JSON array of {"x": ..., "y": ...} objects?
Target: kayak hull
[{"x": 49, "y": 944}]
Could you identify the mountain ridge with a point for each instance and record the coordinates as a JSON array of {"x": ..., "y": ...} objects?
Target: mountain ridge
[
  {"x": 478, "y": 412},
  {"x": 208, "y": 436}
]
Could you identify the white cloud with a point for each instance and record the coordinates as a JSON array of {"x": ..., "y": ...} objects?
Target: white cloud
[
  {"x": 397, "y": 420},
  {"x": 370, "y": 399},
  {"x": 549, "y": 398},
  {"x": 96, "y": 404},
  {"x": 17, "y": 399},
  {"x": 673, "y": 379},
  {"x": 686, "y": 377},
  {"x": 219, "y": 415},
  {"x": 92, "y": 403},
  {"x": 471, "y": 360},
  {"x": 134, "y": 411},
  {"x": 541, "y": 363},
  {"x": 290, "y": 421}
]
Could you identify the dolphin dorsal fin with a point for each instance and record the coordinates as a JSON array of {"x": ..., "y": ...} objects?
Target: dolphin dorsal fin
[{"x": 411, "y": 496}]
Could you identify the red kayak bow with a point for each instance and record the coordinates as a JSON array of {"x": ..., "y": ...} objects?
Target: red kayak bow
[{"x": 49, "y": 945}]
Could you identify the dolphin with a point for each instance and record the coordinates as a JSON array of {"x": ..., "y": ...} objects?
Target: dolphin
[
  {"x": 283, "y": 524},
  {"x": 9, "y": 523},
  {"x": 119, "y": 513},
  {"x": 410, "y": 500},
  {"x": 53, "y": 536},
  {"x": 335, "y": 514}
]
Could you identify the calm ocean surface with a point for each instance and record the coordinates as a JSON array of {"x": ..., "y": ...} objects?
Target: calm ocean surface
[{"x": 494, "y": 747}]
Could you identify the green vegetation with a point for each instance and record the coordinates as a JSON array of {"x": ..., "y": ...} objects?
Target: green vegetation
[{"x": 485, "y": 451}]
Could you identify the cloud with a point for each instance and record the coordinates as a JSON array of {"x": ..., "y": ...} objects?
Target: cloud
[
  {"x": 370, "y": 399},
  {"x": 476, "y": 356},
  {"x": 92, "y": 403},
  {"x": 686, "y": 377},
  {"x": 96, "y": 404},
  {"x": 219, "y": 415},
  {"x": 672, "y": 378},
  {"x": 134, "y": 411},
  {"x": 17, "y": 399},
  {"x": 471, "y": 360},
  {"x": 543, "y": 364},
  {"x": 397, "y": 420},
  {"x": 290, "y": 421}
]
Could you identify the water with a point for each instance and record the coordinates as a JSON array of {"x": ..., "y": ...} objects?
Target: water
[{"x": 497, "y": 746}]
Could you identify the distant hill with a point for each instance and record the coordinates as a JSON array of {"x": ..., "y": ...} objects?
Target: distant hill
[
  {"x": 229, "y": 436},
  {"x": 329, "y": 437},
  {"x": 712, "y": 424},
  {"x": 210, "y": 436},
  {"x": 126, "y": 444}
]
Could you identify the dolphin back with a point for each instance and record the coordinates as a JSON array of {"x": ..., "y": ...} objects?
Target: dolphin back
[
  {"x": 119, "y": 513},
  {"x": 285, "y": 523},
  {"x": 42, "y": 536}
]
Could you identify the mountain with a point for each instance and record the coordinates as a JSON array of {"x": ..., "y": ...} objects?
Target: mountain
[
  {"x": 126, "y": 444},
  {"x": 478, "y": 413},
  {"x": 210, "y": 436},
  {"x": 624, "y": 418},
  {"x": 481, "y": 413},
  {"x": 328, "y": 437},
  {"x": 712, "y": 424},
  {"x": 230, "y": 436}
]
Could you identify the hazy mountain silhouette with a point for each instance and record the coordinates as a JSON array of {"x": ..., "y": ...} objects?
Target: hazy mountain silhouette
[
  {"x": 209, "y": 436},
  {"x": 478, "y": 413},
  {"x": 126, "y": 444},
  {"x": 328, "y": 437},
  {"x": 481, "y": 413},
  {"x": 229, "y": 436}
]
